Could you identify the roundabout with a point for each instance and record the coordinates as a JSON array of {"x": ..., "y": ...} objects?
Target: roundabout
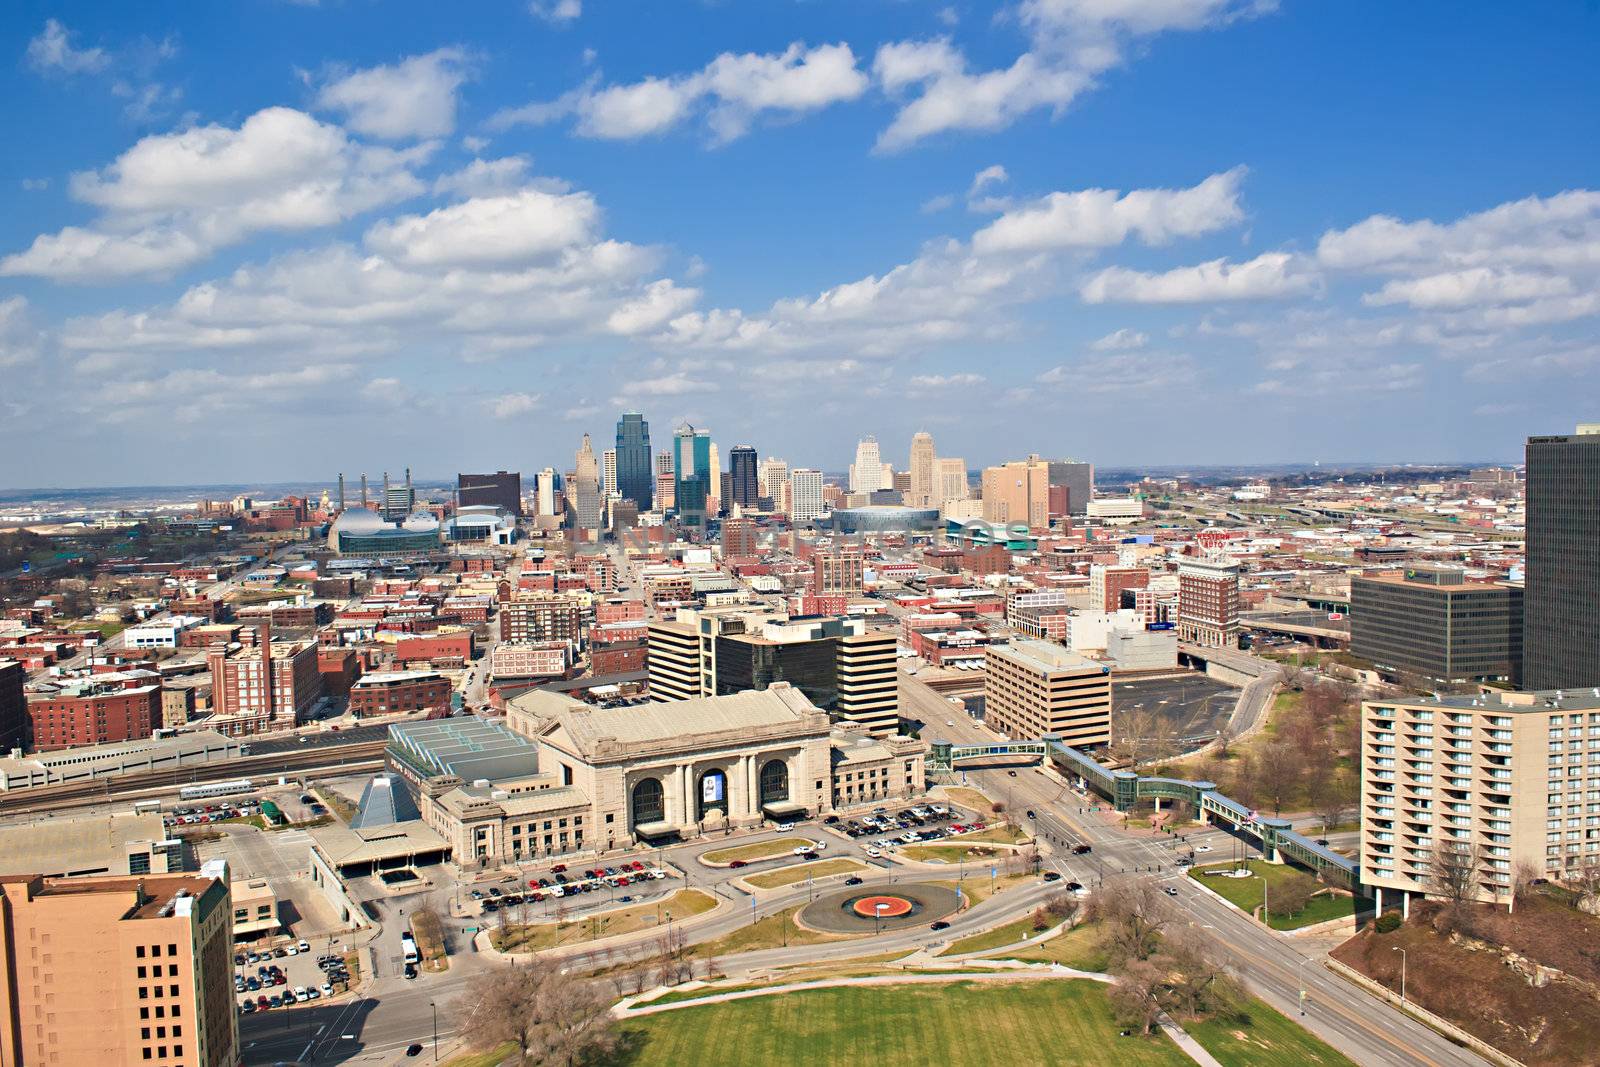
[{"x": 859, "y": 910}]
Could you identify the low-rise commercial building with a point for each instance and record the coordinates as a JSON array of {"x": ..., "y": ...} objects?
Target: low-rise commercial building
[
  {"x": 99, "y": 710},
  {"x": 399, "y": 692},
  {"x": 530, "y": 659}
]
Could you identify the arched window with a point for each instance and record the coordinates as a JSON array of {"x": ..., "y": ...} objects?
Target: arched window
[
  {"x": 712, "y": 794},
  {"x": 648, "y": 801},
  {"x": 774, "y": 782}
]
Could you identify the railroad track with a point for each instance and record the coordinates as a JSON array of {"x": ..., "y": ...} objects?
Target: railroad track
[{"x": 324, "y": 760}]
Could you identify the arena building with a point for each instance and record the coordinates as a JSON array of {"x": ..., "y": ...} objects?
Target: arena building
[
  {"x": 882, "y": 518},
  {"x": 362, "y": 532}
]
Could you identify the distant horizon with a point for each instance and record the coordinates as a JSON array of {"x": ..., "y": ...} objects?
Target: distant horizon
[{"x": 352, "y": 489}]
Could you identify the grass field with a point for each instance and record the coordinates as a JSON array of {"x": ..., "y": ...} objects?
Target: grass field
[
  {"x": 1008, "y": 835},
  {"x": 773, "y": 931},
  {"x": 1041, "y": 1022},
  {"x": 1246, "y": 894},
  {"x": 975, "y": 886},
  {"x": 1257, "y": 1036},
  {"x": 1009, "y": 934},
  {"x": 761, "y": 850},
  {"x": 799, "y": 872},
  {"x": 536, "y": 936},
  {"x": 491, "y": 1058},
  {"x": 1081, "y": 948},
  {"x": 971, "y": 799},
  {"x": 974, "y": 853}
]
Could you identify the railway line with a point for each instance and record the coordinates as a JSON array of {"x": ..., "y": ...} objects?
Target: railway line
[{"x": 322, "y": 761}]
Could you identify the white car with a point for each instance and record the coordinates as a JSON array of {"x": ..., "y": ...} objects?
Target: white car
[
  {"x": 301, "y": 993},
  {"x": 304, "y": 945},
  {"x": 818, "y": 845},
  {"x": 949, "y": 722},
  {"x": 939, "y": 809},
  {"x": 874, "y": 853},
  {"x": 1202, "y": 848}
]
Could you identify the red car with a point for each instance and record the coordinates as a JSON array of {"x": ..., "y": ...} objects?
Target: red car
[
  {"x": 622, "y": 879},
  {"x": 560, "y": 868},
  {"x": 638, "y": 866},
  {"x": 738, "y": 863}
]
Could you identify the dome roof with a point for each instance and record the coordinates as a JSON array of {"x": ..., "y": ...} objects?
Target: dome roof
[
  {"x": 421, "y": 522},
  {"x": 358, "y": 521}
]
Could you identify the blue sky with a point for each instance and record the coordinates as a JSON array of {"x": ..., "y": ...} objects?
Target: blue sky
[{"x": 270, "y": 240}]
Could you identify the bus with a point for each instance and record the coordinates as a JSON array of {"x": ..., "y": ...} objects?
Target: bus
[
  {"x": 215, "y": 789},
  {"x": 408, "y": 947}
]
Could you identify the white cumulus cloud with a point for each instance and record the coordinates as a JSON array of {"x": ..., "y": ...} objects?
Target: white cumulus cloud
[
  {"x": 1269, "y": 275},
  {"x": 52, "y": 51},
  {"x": 414, "y": 98}
]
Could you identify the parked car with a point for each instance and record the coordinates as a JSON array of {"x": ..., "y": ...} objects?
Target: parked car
[{"x": 1052, "y": 876}]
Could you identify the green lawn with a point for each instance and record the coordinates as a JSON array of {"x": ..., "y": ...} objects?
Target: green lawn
[
  {"x": 1042, "y": 1022},
  {"x": 974, "y": 853},
  {"x": 761, "y": 850},
  {"x": 799, "y": 872},
  {"x": 1009, "y": 934},
  {"x": 1246, "y": 894},
  {"x": 1257, "y": 1036},
  {"x": 1082, "y": 948},
  {"x": 537, "y": 936}
]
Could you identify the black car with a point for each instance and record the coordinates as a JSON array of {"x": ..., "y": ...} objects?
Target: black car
[
  {"x": 411, "y": 971},
  {"x": 1030, "y": 814},
  {"x": 852, "y": 881},
  {"x": 413, "y": 1050},
  {"x": 1051, "y": 876},
  {"x": 1079, "y": 850},
  {"x": 940, "y": 925},
  {"x": 830, "y": 820},
  {"x": 1074, "y": 886}
]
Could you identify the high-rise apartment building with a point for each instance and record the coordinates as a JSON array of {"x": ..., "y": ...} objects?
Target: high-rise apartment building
[
  {"x": 1561, "y": 626},
  {"x": 1208, "y": 603},
  {"x": 838, "y": 571},
  {"x": 838, "y": 663},
  {"x": 714, "y": 501},
  {"x": 502, "y": 489},
  {"x": 98, "y": 710},
  {"x": 247, "y": 699},
  {"x": 541, "y": 619},
  {"x": 635, "y": 476},
  {"x": 866, "y": 473},
  {"x": 924, "y": 490},
  {"x": 1017, "y": 492},
  {"x": 117, "y": 969},
  {"x": 1501, "y": 779},
  {"x": 1078, "y": 480},
  {"x": 1433, "y": 623},
  {"x": 608, "y": 472},
  {"x": 743, "y": 477},
  {"x": 1032, "y": 688},
  {"x": 805, "y": 496}
]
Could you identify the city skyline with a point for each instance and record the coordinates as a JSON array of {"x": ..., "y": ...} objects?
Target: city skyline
[{"x": 220, "y": 251}]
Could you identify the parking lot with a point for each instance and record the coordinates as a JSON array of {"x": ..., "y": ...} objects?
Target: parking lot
[
  {"x": 293, "y": 972},
  {"x": 1188, "y": 708},
  {"x": 560, "y": 883},
  {"x": 886, "y": 829}
]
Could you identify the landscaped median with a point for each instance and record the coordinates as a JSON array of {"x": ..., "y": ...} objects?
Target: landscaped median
[
  {"x": 759, "y": 850},
  {"x": 537, "y": 936},
  {"x": 1295, "y": 898},
  {"x": 799, "y": 872}
]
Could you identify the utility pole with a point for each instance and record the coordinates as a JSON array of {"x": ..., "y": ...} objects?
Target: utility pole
[{"x": 1402, "y": 952}]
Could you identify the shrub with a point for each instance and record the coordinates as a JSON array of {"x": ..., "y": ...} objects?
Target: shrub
[{"x": 1388, "y": 922}]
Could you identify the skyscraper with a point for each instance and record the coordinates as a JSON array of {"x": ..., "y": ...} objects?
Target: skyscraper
[
  {"x": 745, "y": 482},
  {"x": 924, "y": 473},
  {"x": 805, "y": 495},
  {"x": 714, "y": 501},
  {"x": 866, "y": 473},
  {"x": 502, "y": 489},
  {"x": 774, "y": 476},
  {"x": 691, "y": 465},
  {"x": 635, "y": 479},
  {"x": 1561, "y": 630},
  {"x": 1078, "y": 478},
  {"x": 545, "y": 488},
  {"x": 608, "y": 471},
  {"x": 1017, "y": 492},
  {"x": 586, "y": 500},
  {"x": 952, "y": 484}
]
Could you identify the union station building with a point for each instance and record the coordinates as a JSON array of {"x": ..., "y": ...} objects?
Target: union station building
[{"x": 560, "y": 776}]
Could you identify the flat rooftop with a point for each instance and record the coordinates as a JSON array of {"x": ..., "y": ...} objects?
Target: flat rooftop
[
  {"x": 91, "y": 845},
  {"x": 1043, "y": 656},
  {"x": 1543, "y": 700}
]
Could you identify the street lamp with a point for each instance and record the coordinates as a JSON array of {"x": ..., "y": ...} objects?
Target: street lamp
[
  {"x": 1302, "y": 970},
  {"x": 1402, "y": 952},
  {"x": 435, "y": 1008},
  {"x": 877, "y": 917}
]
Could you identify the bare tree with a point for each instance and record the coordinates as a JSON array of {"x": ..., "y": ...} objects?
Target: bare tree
[
  {"x": 1134, "y": 913},
  {"x": 1277, "y": 772},
  {"x": 1330, "y": 798},
  {"x": 549, "y": 1016},
  {"x": 1524, "y": 873},
  {"x": 1453, "y": 877},
  {"x": 1136, "y": 995},
  {"x": 1291, "y": 894},
  {"x": 1225, "y": 739},
  {"x": 1294, "y": 675}
]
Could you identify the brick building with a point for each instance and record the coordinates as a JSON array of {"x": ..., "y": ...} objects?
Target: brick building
[
  {"x": 838, "y": 572},
  {"x": 541, "y": 619},
  {"x": 247, "y": 700},
  {"x": 624, "y": 657},
  {"x": 446, "y": 646},
  {"x": 1106, "y": 585},
  {"x": 339, "y": 667},
  {"x": 397, "y": 692},
  {"x": 529, "y": 659},
  {"x": 1208, "y": 603},
  {"x": 99, "y": 711}
]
